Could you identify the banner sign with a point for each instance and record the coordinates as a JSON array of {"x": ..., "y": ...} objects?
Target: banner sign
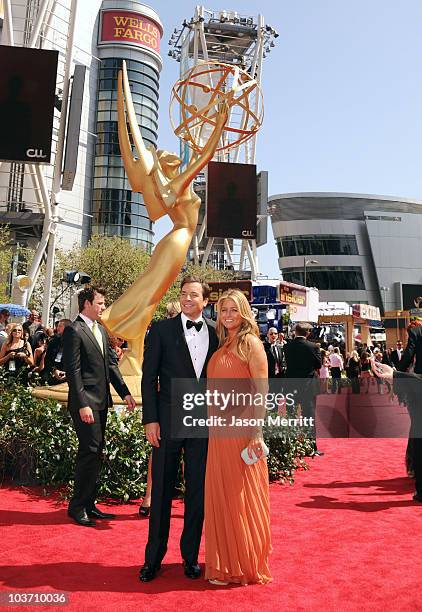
[
  {"x": 219, "y": 287},
  {"x": 292, "y": 295},
  {"x": 129, "y": 27},
  {"x": 365, "y": 311}
]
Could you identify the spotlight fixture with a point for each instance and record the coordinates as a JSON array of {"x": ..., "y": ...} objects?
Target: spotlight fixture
[{"x": 75, "y": 277}]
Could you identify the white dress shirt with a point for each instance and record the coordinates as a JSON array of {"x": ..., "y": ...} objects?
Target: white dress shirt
[
  {"x": 87, "y": 320},
  {"x": 197, "y": 342},
  {"x": 96, "y": 332},
  {"x": 336, "y": 361}
]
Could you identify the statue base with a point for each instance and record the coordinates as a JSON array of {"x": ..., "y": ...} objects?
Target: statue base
[{"x": 59, "y": 392}]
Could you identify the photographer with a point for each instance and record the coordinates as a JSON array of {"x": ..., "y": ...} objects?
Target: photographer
[{"x": 54, "y": 373}]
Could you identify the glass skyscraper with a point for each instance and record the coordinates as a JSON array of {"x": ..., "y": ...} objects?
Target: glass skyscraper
[{"x": 134, "y": 36}]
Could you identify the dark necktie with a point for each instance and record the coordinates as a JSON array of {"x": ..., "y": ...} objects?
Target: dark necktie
[{"x": 197, "y": 325}]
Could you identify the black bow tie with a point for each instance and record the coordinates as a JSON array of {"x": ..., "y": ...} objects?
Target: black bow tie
[{"x": 197, "y": 325}]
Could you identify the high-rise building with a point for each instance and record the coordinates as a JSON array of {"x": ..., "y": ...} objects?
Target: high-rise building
[{"x": 133, "y": 35}]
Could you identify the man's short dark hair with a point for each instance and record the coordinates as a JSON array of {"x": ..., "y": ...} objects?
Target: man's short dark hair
[
  {"x": 206, "y": 290},
  {"x": 4, "y": 312},
  {"x": 88, "y": 293},
  {"x": 303, "y": 328}
]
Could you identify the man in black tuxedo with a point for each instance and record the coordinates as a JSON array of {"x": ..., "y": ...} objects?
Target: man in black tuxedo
[
  {"x": 275, "y": 354},
  {"x": 176, "y": 348},
  {"x": 396, "y": 355},
  {"x": 303, "y": 359},
  {"x": 89, "y": 371},
  {"x": 413, "y": 354}
]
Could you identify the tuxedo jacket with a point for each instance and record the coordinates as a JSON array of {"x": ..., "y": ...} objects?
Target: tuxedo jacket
[
  {"x": 167, "y": 357},
  {"x": 88, "y": 371},
  {"x": 272, "y": 360},
  {"x": 302, "y": 358},
  {"x": 412, "y": 350},
  {"x": 395, "y": 359}
]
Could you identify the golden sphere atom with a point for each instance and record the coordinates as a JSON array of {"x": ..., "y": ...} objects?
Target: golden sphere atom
[{"x": 197, "y": 96}]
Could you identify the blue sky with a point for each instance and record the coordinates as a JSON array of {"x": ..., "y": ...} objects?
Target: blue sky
[{"x": 342, "y": 91}]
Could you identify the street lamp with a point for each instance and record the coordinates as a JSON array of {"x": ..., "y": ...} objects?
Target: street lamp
[{"x": 306, "y": 263}]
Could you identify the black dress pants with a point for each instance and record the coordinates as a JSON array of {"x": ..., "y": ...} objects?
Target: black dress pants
[
  {"x": 165, "y": 464},
  {"x": 336, "y": 380},
  {"x": 88, "y": 460}
]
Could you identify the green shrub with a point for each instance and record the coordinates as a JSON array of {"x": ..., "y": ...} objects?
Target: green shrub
[{"x": 38, "y": 445}]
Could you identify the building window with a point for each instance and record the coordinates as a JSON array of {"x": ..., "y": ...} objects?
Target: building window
[
  {"x": 344, "y": 278},
  {"x": 289, "y": 246}
]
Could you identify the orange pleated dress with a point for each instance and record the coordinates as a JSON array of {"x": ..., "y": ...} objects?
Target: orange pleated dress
[{"x": 237, "y": 511}]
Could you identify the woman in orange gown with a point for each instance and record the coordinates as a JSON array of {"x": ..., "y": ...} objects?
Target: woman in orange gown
[{"x": 237, "y": 514}]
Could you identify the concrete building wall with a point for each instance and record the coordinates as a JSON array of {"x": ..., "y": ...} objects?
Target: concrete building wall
[{"x": 387, "y": 251}]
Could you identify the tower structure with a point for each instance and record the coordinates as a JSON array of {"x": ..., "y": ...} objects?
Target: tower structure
[{"x": 244, "y": 41}]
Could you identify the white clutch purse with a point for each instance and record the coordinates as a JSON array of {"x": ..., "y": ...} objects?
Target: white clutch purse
[{"x": 245, "y": 456}]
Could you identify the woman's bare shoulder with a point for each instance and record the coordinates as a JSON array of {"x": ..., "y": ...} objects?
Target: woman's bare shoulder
[{"x": 255, "y": 343}]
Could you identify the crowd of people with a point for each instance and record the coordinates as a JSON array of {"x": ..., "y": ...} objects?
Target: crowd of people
[
  {"x": 31, "y": 353},
  {"x": 340, "y": 370}
]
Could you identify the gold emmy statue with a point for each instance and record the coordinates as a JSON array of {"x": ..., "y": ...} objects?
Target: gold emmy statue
[{"x": 220, "y": 108}]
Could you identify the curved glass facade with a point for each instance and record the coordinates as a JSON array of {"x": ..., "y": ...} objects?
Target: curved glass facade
[
  {"x": 117, "y": 211},
  {"x": 290, "y": 246},
  {"x": 345, "y": 278}
]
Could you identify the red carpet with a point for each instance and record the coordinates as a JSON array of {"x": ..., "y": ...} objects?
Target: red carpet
[{"x": 345, "y": 536}]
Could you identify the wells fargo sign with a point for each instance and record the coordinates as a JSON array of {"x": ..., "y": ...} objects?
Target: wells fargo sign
[
  {"x": 292, "y": 295},
  {"x": 134, "y": 28}
]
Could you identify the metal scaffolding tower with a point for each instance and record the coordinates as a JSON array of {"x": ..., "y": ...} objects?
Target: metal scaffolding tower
[{"x": 244, "y": 41}]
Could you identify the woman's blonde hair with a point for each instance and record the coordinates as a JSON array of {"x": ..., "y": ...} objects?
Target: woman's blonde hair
[
  {"x": 173, "y": 309},
  {"x": 247, "y": 326},
  {"x": 9, "y": 339},
  {"x": 354, "y": 355}
]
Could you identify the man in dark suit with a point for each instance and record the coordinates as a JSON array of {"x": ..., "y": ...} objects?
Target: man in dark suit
[
  {"x": 53, "y": 371},
  {"x": 89, "y": 371},
  {"x": 275, "y": 354},
  {"x": 396, "y": 355},
  {"x": 413, "y": 354},
  {"x": 303, "y": 359},
  {"x": 177, "y": 348}
]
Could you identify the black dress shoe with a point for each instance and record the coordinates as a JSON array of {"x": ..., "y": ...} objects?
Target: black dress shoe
[
  {"x": 82, "y": 519},
  {"x": 417, "y": 497},
  {"x": 192, "y": 570},
  {"x": 148, "y": 572},
  {"x": 144, "y": 510},
  {"x": 98, "y": 514}
]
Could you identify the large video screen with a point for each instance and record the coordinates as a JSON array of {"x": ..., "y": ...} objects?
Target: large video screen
[
  {"x": 412, "y": 296},
  {"x": 231, "y": 200},
  {"x": 27, "y": 94}
]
